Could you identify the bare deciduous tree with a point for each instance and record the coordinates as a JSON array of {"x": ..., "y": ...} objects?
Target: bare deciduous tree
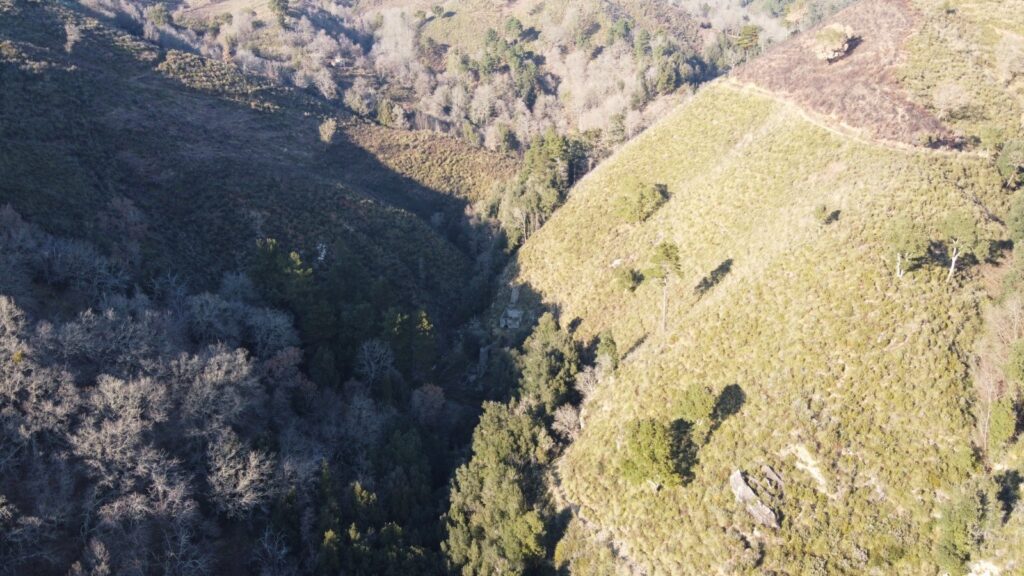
[
  {"x": 95, "y": 561},
  {"x": 212, "y": 319},
  {"x": 1004, "y": 328},
  {"x": 587, "y": 381},
  {"x": 113, "y": 440},
  {"x": 214, "y": 389},
  {"x": 72, "y": 35},
  {"x": 269, "y": 331},
  {"x": 963, "y": 237},
  {"x": 240, "y": 479},
  {"x": 361, "y": 97},
  {"x": 427, "y": 404},
  {"x": 271, "y": 555},
  {"x": 567, "y": 422},
  {"x": 374, "y": 360}
]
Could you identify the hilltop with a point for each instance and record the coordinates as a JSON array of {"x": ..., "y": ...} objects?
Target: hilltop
[{"x": 845, "y": 395}]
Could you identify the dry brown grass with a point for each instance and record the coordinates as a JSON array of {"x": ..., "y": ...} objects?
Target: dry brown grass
[
  {"x": 435, "y": 161},
  {"x": 860, "y": 89}
]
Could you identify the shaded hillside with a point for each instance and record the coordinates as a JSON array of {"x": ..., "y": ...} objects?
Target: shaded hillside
[
  {"x": 229, "y": 315},
  {"x": 212, "y": 160},
  {"x": 820, "y": 393}
]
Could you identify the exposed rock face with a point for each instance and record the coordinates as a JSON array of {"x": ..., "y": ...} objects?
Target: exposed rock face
[{"x": 746, "y": 495}]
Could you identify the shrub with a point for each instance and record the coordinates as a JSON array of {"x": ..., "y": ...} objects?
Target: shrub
[
  {"x": 328, "y": 128},
  {"x": 1010, "y": 163},
  {"x": 627, "y": 278},
  {"x": 651, "y": 454},
  {"x": 642, "y": 202}
]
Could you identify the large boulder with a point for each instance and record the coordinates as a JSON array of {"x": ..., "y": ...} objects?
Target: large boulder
[{"x": 833, "y": 42}]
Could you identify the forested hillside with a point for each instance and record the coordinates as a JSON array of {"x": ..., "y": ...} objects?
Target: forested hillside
[{"x": 230, "y": 315}]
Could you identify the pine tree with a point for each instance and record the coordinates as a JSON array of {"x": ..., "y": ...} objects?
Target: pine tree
[
  {"x": 651, "y": 454},
  {"x": 665, "y": 267},
  {"x": 906, "y": 243},
  {"x": 549, "y": 364},
  {"x": 963, "y": 238}
]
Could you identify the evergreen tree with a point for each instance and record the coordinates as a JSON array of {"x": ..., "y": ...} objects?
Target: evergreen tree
[
  {"x": 549, "y": 363},
  {"x": 495, "y": 525},
  {"x": 963, "y": 238},
  {"x": 608, "y": 349},
  {"x": 906, "y": 243},
  {"x": 279, "y": 8},
  {"x": 642, "y": 202},
  {"x": 651, "y": 454},
  {"x": 665, "y": 267}
]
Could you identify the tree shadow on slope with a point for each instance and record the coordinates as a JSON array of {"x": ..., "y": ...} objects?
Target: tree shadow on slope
[
  {"x": 1009, "y": 483},
  {"x": 713, "y": 278},
  {"x": 729, "y": 402},
  {"x": 686, "y": 449}
]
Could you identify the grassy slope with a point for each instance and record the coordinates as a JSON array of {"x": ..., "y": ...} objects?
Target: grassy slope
[
  {"x": 963, "y": 57},
  {"x": 215, "y": 160},
  {"x": 844, "y": 368}
]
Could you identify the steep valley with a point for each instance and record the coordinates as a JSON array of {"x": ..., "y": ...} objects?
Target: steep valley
[{"x": 553, "y": 287}]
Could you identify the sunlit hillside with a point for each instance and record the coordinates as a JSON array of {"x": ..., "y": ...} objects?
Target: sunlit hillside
[{"x": 849, "y": 382}]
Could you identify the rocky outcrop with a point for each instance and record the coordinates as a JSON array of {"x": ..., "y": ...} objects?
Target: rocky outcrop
[{"x": 746, "y": 496}]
